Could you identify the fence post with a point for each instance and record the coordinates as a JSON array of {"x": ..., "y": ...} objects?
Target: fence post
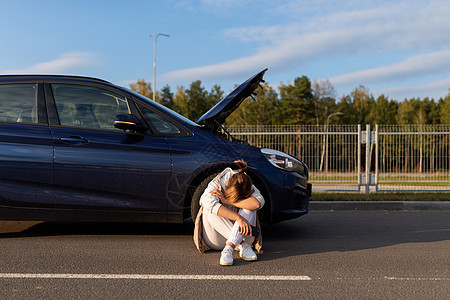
[
  {"x": 367, "y": 159},
  {"x": 376, "y": 157},
  {"x": 359, "y": 158}
]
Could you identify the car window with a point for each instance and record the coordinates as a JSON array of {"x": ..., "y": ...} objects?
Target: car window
[
  {"x": 165, "y": 109},
  {"x": 159, "y": 123},
  {"x": 18, "y": 103},
  {"x": 88, "y": 107}
]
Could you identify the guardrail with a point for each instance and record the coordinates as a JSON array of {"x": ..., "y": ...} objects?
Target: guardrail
[{"x": 346, "y": 158}]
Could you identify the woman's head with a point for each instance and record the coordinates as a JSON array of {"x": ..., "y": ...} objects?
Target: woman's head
[{"x": 239, "y": 185}]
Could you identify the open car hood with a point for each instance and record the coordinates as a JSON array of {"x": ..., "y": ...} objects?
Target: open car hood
[{"x": 219, "y": 112}]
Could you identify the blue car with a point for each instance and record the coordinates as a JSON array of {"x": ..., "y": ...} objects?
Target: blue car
[{"x": 82, "y": 149}]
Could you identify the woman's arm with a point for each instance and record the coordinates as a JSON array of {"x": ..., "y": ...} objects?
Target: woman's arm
[
  {"x": 250, "y": 203},
  {"x": 244, "y": 225},
  {"x": 208, "y": 200}
]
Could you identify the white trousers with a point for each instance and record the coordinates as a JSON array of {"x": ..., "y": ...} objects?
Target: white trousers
[{"x": 217, "y": 230}]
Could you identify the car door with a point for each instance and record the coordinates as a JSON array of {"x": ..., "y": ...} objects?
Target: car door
[
  {"x": 26, "y": 152},
  {"x": 98, "y": 168}
]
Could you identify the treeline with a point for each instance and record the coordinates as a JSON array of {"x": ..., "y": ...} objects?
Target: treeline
[{"x": 304, "y": 102}]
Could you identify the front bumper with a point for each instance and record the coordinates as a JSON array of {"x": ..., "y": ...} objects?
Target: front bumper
[
  {"x": 299, "y": 206},
  {"x": 293, "y": 201}
]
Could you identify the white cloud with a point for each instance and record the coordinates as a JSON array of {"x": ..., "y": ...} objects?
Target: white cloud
[
  {"x": 239, "y": 66},
  {"x": 66, "y": 63},
  {"x": 408, "y": 25},
  {"x": 423, "y": 64},
  {"x": 435, "y": 90},
  {"x": 324, "y": 7}
]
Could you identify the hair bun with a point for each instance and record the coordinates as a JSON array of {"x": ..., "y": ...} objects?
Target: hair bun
[{"x": 241, "y": 164}]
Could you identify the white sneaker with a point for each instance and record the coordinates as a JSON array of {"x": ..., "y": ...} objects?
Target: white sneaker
[
  {"x": 226, "y": 257},
  {"x": 246, "y": 252}
]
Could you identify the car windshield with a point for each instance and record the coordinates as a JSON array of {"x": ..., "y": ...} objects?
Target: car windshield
[{"x": 163, "y": 108}]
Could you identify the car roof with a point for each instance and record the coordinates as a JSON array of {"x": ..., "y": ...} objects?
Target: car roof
[{"x": 42, "y": 77}]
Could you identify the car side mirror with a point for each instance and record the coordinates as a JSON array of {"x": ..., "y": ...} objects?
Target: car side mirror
[{"x": 129, "y": 122}]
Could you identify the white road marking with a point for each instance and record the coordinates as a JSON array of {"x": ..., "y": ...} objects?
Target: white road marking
[
  {"x": 153, "y": 277},
  {"x": 196, "y": 277},
  {"x": 418, "y": 278}
]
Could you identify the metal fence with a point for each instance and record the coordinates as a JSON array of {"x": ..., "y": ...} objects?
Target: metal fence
[{"x": 347, "y": 158}]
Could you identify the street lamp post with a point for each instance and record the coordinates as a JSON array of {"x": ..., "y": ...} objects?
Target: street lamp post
[{"x": 155, "y": 37}]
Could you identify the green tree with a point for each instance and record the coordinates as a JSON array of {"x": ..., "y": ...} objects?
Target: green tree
[
  {"x": 405, "y": 113},
  {"x": 324, "y": 97},
  {"x": 197, "y": 100},
  {"x": 142, "y": 87},
  {"x": 345, "y": 106},
  {"x": 296, "y": 103},
  {"x": 215, "y": 95},
  {"x": 180, "y": 102},
  {"x": 383, "y": 111},
  {"x": 431, "y": 109},
  {"x": 445, "y": 109},
  {"x": 166, "y": 98},
  {"x": 419, "y": 112},
  {"x": 267, "y": 106},
  {"x": 263, "y": 110},
  {"x": 362, "y": 102}
]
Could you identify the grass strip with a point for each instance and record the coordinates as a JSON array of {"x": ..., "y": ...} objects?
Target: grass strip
[{"x": 380, "y": 196}]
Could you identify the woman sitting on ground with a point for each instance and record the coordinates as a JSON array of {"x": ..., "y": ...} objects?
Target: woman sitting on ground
[{"x": 229, "y": 209}]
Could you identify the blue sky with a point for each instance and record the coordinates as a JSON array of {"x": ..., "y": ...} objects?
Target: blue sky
[{"x": 397, "y": 48}]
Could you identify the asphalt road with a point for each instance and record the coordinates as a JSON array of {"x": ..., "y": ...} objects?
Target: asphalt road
[{"x": 323, "y": 255}]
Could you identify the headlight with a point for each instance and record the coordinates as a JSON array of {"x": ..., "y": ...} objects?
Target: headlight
[{"x": 284, "y": 161}]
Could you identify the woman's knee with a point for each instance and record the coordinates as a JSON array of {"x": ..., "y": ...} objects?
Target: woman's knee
[{"x": 249, "y": 215}]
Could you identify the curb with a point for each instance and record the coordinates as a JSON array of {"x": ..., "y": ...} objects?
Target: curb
[{"x": 379, "y": 206}]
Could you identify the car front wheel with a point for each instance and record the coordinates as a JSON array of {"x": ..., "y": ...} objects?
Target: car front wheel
[{"x": 195, "y": 203}]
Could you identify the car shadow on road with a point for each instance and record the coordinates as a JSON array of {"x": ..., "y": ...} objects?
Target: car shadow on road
[
  {"x": 322, "y": 232},
  {"x": 11, "y": 229},
  {"x": 317, "y": 232}
]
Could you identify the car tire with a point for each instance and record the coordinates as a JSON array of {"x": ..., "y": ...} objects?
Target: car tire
[{"x": 195, "y": 202}]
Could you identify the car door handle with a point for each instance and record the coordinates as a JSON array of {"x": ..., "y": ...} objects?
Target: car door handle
[{"x": 74, "y": 140}]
